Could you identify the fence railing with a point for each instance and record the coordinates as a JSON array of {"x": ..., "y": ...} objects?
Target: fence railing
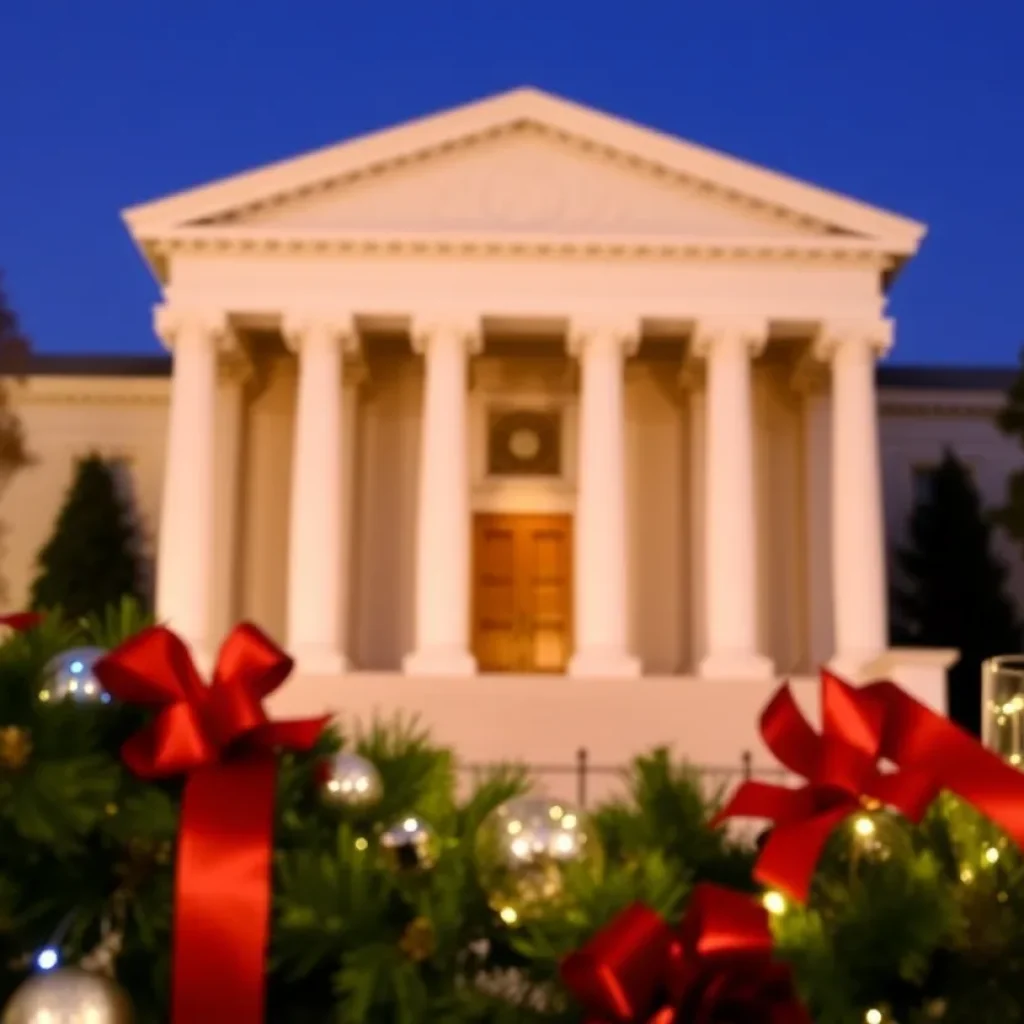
[{"x": 582, "y": 770}]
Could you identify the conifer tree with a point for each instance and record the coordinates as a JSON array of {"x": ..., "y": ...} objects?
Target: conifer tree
[
  {"x": 1010, "y": 420},
  {"x": 92, "y": 561},
  {"x": 951, "y": 586}
]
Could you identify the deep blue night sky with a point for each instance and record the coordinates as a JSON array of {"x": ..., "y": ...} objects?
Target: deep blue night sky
[{"x": 915, "y": 105}]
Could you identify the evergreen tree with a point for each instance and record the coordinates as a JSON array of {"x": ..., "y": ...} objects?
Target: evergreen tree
[
  {"x": 92, "y": 559},
  {"x": 951, "y": 590},
  {"x": 1010, "y": 420}
]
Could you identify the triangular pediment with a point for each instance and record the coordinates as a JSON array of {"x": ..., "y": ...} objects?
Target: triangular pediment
[{"x": 523, "y": 163}]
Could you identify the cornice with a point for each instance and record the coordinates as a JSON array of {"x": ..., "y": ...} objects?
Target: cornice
[
  {"x": 269, "y": 241},
  {"x": 92, "y": 391}
]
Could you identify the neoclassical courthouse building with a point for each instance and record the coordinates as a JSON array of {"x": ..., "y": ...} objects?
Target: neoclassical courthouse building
[{"x": 550, "y": 428}]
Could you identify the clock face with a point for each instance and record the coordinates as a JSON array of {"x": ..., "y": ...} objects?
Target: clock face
[{"x": 524, "y": 442}]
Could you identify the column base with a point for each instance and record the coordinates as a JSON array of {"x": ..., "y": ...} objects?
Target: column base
[
  {"x": 318, "y": 660},
  {"x": 604, "y": 665},
  {"x": 439, "y": 662},
  {"x": 737, "y": 666}
]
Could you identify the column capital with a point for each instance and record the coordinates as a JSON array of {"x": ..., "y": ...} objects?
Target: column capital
[
  {"x": 301, "y": 330},
  {"x": 871, "y": 336},
  {"x": 176, "y": 324},
  {"x": 749, "y": 333},
  {"x": 606, "y": 332},
  {"x": 455, "y": 329}
]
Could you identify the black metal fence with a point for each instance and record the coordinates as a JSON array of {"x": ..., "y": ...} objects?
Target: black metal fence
[{"x": 582, "y": 770}]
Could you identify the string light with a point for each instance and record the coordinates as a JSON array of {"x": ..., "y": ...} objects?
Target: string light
[
  {"x": 47, "y": 958},
  {"x": 992, "y": 855},
  {"x": 873, "y": 1016},
  {"x": 774, "y": 902},
  {"x": 864, "y": 827}
]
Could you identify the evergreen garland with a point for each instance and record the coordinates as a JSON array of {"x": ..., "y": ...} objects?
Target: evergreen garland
[{"x": 919, "y": 923}]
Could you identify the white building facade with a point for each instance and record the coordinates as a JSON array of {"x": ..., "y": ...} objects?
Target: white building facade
[{"x": 549, "y": 428}]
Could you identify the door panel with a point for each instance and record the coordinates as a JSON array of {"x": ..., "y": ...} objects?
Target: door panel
[
  {"x": 494, "y": 593},
  {"x": 522, "y": 607}
]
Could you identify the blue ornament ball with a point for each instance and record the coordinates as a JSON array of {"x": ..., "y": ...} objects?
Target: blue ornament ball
[{"x": 69, "y": 677}]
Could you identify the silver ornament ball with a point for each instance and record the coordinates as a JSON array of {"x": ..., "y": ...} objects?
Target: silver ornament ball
[
  {"x": 410, "y": 844},
  {"x": 523, "y": 850},
  {"x": 68, "y": 995},
  {"x": 351, "y": 781},
  {"x": 69, "y": 677}
]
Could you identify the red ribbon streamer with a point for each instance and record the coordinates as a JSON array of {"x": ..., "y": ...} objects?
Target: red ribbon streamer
[
  {"x": 717, "y": 967},
  {"x": 862, "y": 728},
  {"x": 220, "y": 737},
  {"x": 21, "y": 622}
]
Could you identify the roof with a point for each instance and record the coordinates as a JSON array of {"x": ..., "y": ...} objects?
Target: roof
[
  {"x": 220, "y": 212},
  {"x": 934, "y": 378}
]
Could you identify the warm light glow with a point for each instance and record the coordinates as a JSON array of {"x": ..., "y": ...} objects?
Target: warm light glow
[
  {"x": 967, "y": 875},
  {"x": 44, "y": 695},
  {"x": 361, "y": 844},
  {"x": 873, "y": 1017},
  {"x": 569, "y": 821},
  {"x": 774, "y": 902},
  {"x": 556, "y": 812},
  {"x": 521, "y": 848},
  {"x": 992, "y": 855},
  {"x": 565, "y": 843},
  {"x": 410, "y": 824},
  {"x": 515, "y": 827},
  {"x": 864, "y": 827},
  {"x": 508, "y": 915}
]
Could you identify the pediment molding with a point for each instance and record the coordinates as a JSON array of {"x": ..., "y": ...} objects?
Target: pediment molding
[{"x": 794, "y": 211}]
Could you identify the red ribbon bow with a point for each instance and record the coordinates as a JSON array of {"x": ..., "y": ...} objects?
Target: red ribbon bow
[
  {"x": 221, "y": 738},
  {"x": 841, "y": 766},
  {"x": 716, "y": 968},
  {"x": 862, "y": 728}
]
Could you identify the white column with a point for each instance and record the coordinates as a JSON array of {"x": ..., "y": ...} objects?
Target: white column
[
  {"x": 442, "y": 593},
  {"x": 730, "y": 517},
  {"x": 859, "y": 598},
  {"x": 600, "y": 559},
  {"x": 235, "y": 373},
  {"x": 315, "y": 522},
  {"x": 185, "y": 550}
]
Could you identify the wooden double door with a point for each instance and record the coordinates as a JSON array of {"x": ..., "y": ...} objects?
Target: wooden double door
[{"x": 522, "y": 592}]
